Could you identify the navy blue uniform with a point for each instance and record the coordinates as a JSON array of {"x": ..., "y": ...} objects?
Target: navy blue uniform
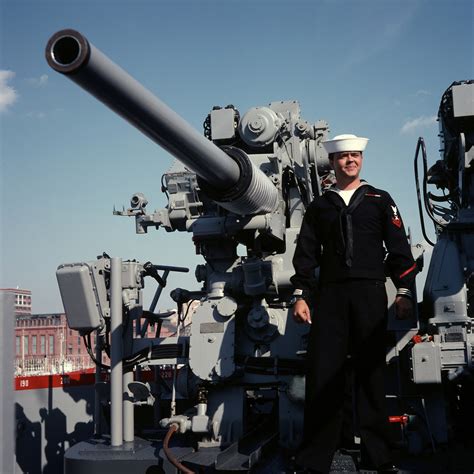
[{"x": 350, "y": 314}]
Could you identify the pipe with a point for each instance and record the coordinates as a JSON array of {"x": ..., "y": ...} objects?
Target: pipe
[
  {"x": 128, "y": 402},
  {"x": 70, "y": 53},
  {"x": 116, "y": 353},
  {"x": 128, "y": 413},
  {"x": 97, "y": 380},
  {"x": 173, "y": 391},
  {"x": 169, "y": 454}
]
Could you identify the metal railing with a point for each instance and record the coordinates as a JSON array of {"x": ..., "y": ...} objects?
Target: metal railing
[{"x": 46, "y": 365}]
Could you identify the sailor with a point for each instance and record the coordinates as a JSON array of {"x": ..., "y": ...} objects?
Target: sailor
[{"x": 350, "y": 233}]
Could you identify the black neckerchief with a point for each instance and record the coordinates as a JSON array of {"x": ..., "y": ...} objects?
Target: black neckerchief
[{"x": 345, "y": 238}]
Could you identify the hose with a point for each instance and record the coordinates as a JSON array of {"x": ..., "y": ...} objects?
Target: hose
[{"x": 169, "y": 454}]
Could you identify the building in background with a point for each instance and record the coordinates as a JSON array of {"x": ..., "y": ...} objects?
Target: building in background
[
  {"x": 22, "y": 300},
  {"x": 44, "y": 343}
]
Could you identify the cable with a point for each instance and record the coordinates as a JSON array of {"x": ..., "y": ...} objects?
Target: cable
[
  {"x": 107, "y": 337},
  {"x": 87, "y": 343},
  {"x": 181, "y": 320},
  {"x": 164, "y": 189},
  {"x": 421, "y": 143},
  {"x": 138, "y": 358},
  {"x": 169, "y": 454},
  {"x": 427, "y": 422},
  {"x": 429, "y": 206}
]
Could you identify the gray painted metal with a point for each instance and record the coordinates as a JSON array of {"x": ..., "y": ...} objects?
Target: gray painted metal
[
  {"x": 80, "y": 294},
  {"x": 99, "y": 457},
  {"x": 70, "y": 53},
  {"x": 97, "y": 379},
  {"x": 128, "y": 406},
  {"x": 426, "y": 363},
  {"x": 243, "y": 355},
  {"x": 48, "y": 421},
  {"x": 260, "y": 196},
  {"x": 213, "y": 335},
  {"x": 463, "y": 100},
  {"x": 260, "y": 126},
  {"x": 7, "y": 320},
  {"x": 222, "y": 124},
  {"x": 128, "y": 402},
  {"x": 93, "y": 71},
  {"x": 116, "y": 356}
]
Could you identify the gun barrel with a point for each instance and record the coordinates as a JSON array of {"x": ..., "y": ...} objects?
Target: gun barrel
[{"x": 70, "y": 53}]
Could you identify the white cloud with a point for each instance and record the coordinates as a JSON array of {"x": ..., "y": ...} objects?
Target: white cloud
[
  {"x": 8, "y": 95},
  {"x": 422, "y": 92},
  {"x": 420, "y": 122},
  {"x": 38, "y": 81}
]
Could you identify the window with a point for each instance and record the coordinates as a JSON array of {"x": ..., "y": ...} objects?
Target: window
[
  {"x": 25, "y": 345},
  {"x": 33, "y": 344},
  {"x": 43, "y": 344},
  {"x": 51, "y": 344},
  {"x": 18, "y": 345}
]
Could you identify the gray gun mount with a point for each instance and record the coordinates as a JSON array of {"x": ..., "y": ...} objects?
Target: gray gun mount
[
  {"x": 246, "y": 182},
  {"x": 442, "y": 358},
  {"x": 237, "y": 369}
]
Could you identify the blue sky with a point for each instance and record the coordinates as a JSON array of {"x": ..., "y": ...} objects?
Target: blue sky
[{"x": 376, "y": 68}]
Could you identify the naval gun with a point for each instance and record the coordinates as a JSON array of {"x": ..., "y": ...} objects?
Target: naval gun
[
  {"x": 238, "y": 365},
  {"x": 441, "y": 357},
  {"x": 245, "y": 182}
]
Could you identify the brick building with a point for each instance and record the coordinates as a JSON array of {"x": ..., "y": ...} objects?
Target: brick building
[
  {"x": 44, "y": 343},
  {"x": 22, "y": 304}
]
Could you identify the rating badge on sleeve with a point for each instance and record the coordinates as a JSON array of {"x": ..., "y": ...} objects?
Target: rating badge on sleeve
[{"x": 395, "y": 218}]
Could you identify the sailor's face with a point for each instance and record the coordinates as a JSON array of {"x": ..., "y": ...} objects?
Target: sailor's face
[{"x": 347, "y": 164}]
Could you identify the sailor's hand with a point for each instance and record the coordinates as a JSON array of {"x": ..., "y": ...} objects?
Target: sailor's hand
[
  {"x": 301, "y": 312},
  {"x": 403, "y": 307}
]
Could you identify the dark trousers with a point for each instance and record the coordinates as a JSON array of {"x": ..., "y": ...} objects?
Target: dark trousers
[{"x": 349, "y": 318}]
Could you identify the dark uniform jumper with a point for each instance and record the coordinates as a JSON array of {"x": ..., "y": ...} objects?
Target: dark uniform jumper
[{"x": 350, "y": 314}]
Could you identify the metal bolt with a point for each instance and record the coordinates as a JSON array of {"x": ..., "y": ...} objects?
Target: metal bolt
[{"x": 256, "y": 125}]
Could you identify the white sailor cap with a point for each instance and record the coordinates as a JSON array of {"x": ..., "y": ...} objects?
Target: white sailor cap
[{"x": 345, "y": 142}]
